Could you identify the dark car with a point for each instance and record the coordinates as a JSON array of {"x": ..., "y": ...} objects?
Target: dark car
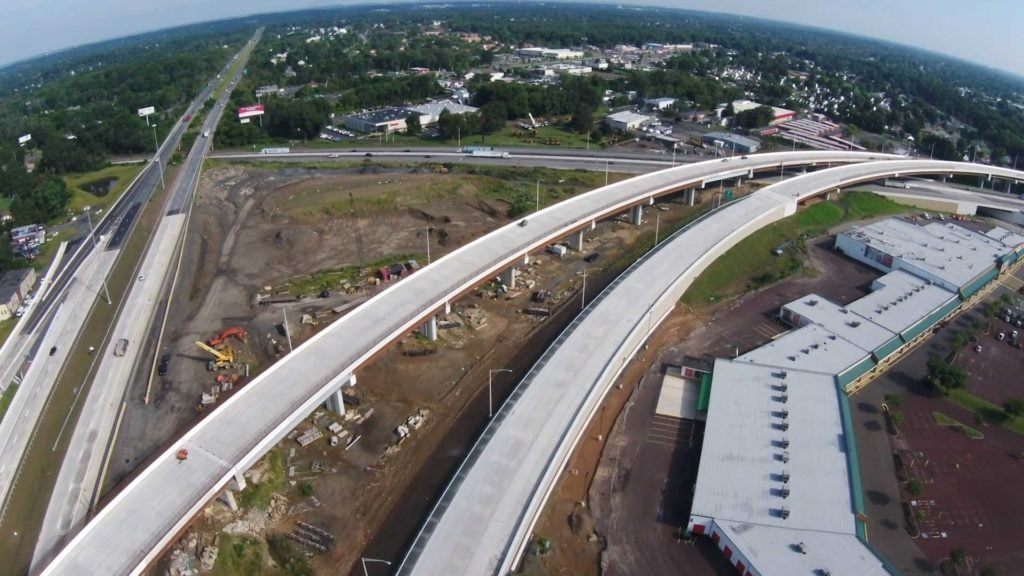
[
  {"x": 53, "y": 350},
  {"x": 165, "y": 361},
  {"x": 591, "y": 257}
]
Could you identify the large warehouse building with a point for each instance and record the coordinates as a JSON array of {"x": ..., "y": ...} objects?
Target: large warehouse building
[
  {"x": 778, "y": 488},
  {"x": 393, "y": 119}
]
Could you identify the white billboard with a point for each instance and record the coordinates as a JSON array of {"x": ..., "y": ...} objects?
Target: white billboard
[
  {"x": 146, "y": 111},
  {"x": 23, "y": 139}
]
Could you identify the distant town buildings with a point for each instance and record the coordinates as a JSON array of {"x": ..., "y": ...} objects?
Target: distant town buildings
[
  {"x": 627, "y": 120},
  {"x": 550, "y": 53},
  {"x": 393, "y": 119},
  {"x": 781, "y": 114},
  {"x": 660, "y": 103},
  {"x": 731, "y": 142},
  {"x": 26, "y": 241}
]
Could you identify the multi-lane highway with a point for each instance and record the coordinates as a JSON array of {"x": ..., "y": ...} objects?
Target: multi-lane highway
[
  {"x": 169, "y": 492},
  {"x": 80, "y": 478}
]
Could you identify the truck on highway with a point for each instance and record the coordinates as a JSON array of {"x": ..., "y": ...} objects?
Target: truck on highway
[
  {"x": 482, "y": 152},
  {"x": 275, "y": 151},
  {"x": 121, "y": 347}
]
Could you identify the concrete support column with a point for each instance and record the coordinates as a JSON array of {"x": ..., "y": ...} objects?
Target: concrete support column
[
  {"x": 636, "y": 215},
  {"x": 336, "y": 402},
  {"x": 239, "y": 479},
  {"x": 690, "y": 197},
  {"x": 593, "y": 225},
  {"x": 526, "y": 259},
  {"x": 576, "y": 241},
  {"x": 429, "y": 328},
  {"x": 228, "y": 497},
  {"x": 508, "y": 278},
  {"x": 447, "y": 310}
]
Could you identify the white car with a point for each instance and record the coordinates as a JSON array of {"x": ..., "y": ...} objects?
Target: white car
[{"x": 142, "y": 277}]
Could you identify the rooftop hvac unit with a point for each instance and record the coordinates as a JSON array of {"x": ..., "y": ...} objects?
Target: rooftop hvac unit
[
  {"x": 785, "y": 444},
  {"x": 783, "y": 387},
  {"x": 785, "y": 456},
  {"x": 782, "y": 375},
  {"x": 784, "y": 492},
  {"x": 784, "y": 414},
  {"x": 785, "y": 476},
  {"x": 785, "y": 425},
  {"x": 784, "y": 512},
  {"x": 853, "y": 324},
  {"x": 784, "y": 398}
]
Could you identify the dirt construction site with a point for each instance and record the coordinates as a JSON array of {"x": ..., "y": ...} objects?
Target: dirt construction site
[{"x": 273, "y": 245}]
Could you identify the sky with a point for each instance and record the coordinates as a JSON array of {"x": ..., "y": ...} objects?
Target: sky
[{"x": 985, "y": 32}]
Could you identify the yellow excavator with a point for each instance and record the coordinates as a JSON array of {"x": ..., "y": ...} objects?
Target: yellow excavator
[{"x": 222, "y": 359}]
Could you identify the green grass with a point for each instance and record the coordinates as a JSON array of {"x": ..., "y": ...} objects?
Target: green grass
[
  {"x": 334, "y": 278},
  {"x": 985, "y": 410},
  {"x": 8, "y": 396},
  {"x": 239, "y": 62},
  {"x": 943, "y": 420},
  {"x": 81, "y": 197},
  {"x": 750, "y": 264},
  {"x": 272, "y": 481},
  {"x": 238, "y": 556}
]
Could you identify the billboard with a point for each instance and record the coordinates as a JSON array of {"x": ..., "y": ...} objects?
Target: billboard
[
  {"x": 250, "y": 111},
  {"x": 147, "y": 111},
  {"x": 245, "y": 120},
  {"x": 22, "y": 140}
]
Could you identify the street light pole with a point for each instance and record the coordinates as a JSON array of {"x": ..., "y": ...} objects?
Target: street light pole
[
  {"x": 657, "y": 226},
  {"x": 583, "y": 292},
  {"x": 490, "y": 390},
  {"x": 365, "y": 560},
  {"x": 538, "y": 196},
  {"x": 160, "y": 165},
  {"x": 428, "y": 243},
  {"x": 606, "y": 172}
]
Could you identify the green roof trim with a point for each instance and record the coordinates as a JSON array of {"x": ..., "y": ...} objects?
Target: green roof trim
[
  {"x": 855, "y": 371},
  {"x": 885, "y": 350},
  {"x": 704, "y": 398},
  {"x": 978, "y": 283}
]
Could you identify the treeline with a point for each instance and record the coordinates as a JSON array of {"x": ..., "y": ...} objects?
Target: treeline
[
  {"x": 35, "y": 198},
  {"x": 81, "y": 117}
]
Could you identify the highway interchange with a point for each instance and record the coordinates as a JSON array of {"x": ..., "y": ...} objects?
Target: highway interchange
[
  {"x": 164, "y": 497},
  {"x": 274, "y": 402}
]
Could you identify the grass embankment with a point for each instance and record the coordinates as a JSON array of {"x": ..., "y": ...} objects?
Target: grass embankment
[
  {"x": 335, "y": 278},
  {"x": 6, "y": 398},
  {"x": 79, "y": 185},
  {"x": 271, "y": 481},
  {"x": 239, "y": 556},
  {"x": 751, "y": 264},
  {"x": 984, "y": 410},
  {"x": 943, "y": 420}
]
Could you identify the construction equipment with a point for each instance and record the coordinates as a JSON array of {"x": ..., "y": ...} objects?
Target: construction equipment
[
  {"x": 222, "y": 359},
  {"x": 236, "y": 332}
]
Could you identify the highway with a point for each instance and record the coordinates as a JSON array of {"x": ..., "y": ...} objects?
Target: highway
[
  {"x": 164, "y": 496},
  {"x": 480, "y": 526},
  {"x": 80, "y": 478}
]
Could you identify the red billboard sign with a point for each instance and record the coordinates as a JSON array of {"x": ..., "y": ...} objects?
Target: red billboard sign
[{"x": 250, "y": 111}]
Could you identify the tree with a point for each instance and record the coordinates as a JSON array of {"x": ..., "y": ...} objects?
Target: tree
[
  {"x": 1013, "y": 407},
  {"x": 988, "y": 571},
  {"x": 958, "y": 556},
  {"x": 583, "y": 120},
  {"x": 915, "y": 487},
  {"x": 943, "y": 376},
  {"x": 493, "y": 116},
  {"x": 755, "y": 118},
  {"x": 412, "y": 125},
  {"x": 46, "y": 201}
]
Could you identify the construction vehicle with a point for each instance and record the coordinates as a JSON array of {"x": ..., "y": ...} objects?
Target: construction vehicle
[
  {"x": 222, "y": 359},
  {"x": 236, "y": 332}
]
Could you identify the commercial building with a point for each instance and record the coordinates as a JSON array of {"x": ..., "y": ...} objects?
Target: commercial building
[
  {"x": 393, "y": 119},
  {"x": 731, "y": 142},
  {"x": 627, "y": 120},
  {"x": 431, "y": 111},
  {"x": 27, "y": 240},
  {"x": 942, "y": 253},
  {"x": 15, "y": 285},
  {"x": 384, "y": 120},
  {"x": 550, "y": 53},
  {"x": 660, "y": 103},
  {"x": 816, "y": 133},
  {"x": 780, "y": 114},
  {"x": 778, "y": 488}
]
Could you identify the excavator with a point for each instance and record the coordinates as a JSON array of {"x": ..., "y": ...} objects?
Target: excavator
[
  {"x": 222, "y": 359},
  {"x": 223, "y": 336}
]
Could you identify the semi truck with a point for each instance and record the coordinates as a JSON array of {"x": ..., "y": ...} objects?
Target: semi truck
[
  {"x": 275, "y": 151},
  {"x": 482, "y": 153}
]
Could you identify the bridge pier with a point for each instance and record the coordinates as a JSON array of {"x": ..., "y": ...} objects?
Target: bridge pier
[
  {"x": 447, "y": 308},
  {"x": 429, "y": 328},
  {"x": 336, "y": 402},
  {"x": 576, "y": 241},
  {"x": 239, "y": 479},
  {"x": 228, "y": 497},
  {"x": 508, "y": 278},
  {"x": 636, "y": 215},
  {"x": 690, "y": 197}
]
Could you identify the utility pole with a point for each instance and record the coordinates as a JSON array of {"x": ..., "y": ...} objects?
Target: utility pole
[
  {"x": 538, "y": 196},
  {"x": 287, "y": 330},
  {"x": 160, "y": 165},
  {"x": 657, "y": 226},
  {"x": 606, "y": 172},
  {"x": 428, "y": 243}
]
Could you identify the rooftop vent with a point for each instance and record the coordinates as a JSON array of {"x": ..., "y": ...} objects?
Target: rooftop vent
[
  {"x": 853, "y": 324},
  {"x": 784, "y": 398},
  {"x": 785, "y": 444},
  {"x": 783, "y": 387},
  {"x": 785, "y": 455},
  {"x": 784, "y": 512},
  {"x": 784, "y": 492},
  {"x": 784, "y": 425},
  {"x": 782, "y": 375},
  {"x": 812, "y": 302},
  {"x": 844, "y": 310}
]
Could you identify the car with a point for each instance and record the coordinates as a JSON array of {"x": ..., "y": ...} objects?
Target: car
[
  {"x": 725, "y": 159},
  {"x": 406, "y": 150},
  {"x": 369, "y": 153},
  {"x": 427, "y": 156},
  {"x": 142, "y": 277},
  {"x": 744, "y": 157},
  {"x": 165, "y": 361},
  {"x": 522, "y": 222},
  {"x": 977, "y": 348},
  {"x": 593, "y": 256},
  {"x": 334, "y": 155},
  {"x": 53, "y": 350}
]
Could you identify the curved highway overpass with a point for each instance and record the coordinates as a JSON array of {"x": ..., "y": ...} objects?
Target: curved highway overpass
[
  {"x": 126, "y": 535},
  {"x": 480, "y": 525}
]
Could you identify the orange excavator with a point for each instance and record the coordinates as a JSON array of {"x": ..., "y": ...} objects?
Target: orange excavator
[{"x": 236, "y": 332}]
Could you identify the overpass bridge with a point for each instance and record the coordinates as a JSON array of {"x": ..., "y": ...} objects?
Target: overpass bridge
[
  {"x": 141, "y": 520},
  {"x": 482, "y": 526}
]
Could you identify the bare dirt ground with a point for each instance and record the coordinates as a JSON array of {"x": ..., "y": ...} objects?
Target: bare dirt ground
[{"x": 254, "y": 228}]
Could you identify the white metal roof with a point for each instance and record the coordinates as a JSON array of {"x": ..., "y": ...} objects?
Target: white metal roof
[
  {"x": 900, "y": 300},
  {"x": 943, "y": 249},
  {"x": 743, "y": 458},
  {"x": 773, "y": 550},
  {"x": 1007, "y": 237},
  {"x": 841, "y": 321},
  {"x": 810, "y": 348}
]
